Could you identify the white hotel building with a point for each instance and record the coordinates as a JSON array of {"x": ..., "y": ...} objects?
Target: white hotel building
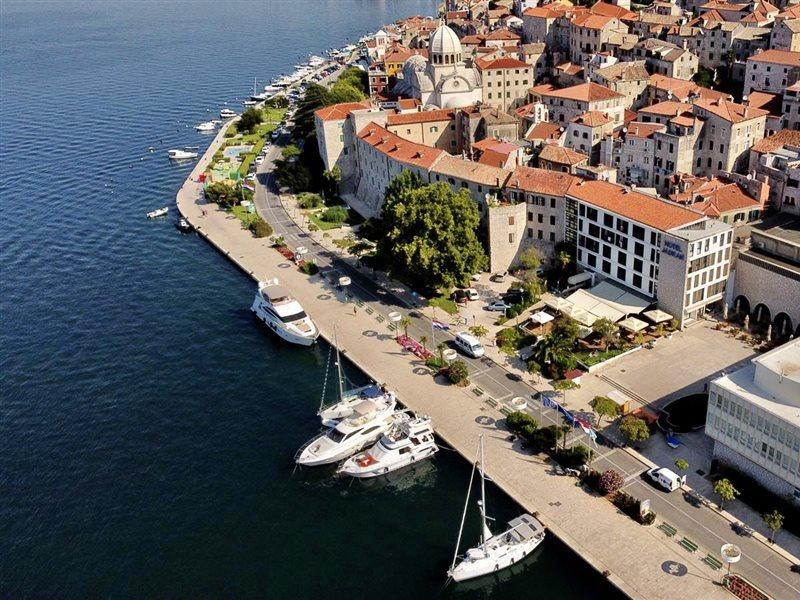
[
  {"x": 754, "y": 419},
  {"x": 658, "y": 248}
]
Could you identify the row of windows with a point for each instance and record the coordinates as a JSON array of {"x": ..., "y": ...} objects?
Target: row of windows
[
  {"x": 754, "y": 418},
  {"x": 540, "y": 234},
  {"x": 783, "y": 460}
]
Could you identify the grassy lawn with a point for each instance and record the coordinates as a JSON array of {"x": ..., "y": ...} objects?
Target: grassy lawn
[
  {"x": 585, "y": 356},
  {"x": 447, "y": 305},
  {"x": 240, "y": 212},
  {"x": 273, "y": 115},
  {"x": 323, "y": 225}
]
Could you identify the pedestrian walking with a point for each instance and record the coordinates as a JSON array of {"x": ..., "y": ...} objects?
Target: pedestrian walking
[{"x": 355, "y": 310}]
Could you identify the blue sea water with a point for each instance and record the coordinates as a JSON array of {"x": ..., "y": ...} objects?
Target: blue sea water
[{"x": 147, "y": 424}]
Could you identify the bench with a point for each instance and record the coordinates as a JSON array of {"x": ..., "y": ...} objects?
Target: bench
[
  {"x": 668, "y": 529},
  {"x": 688, "y": 544},
  {"x": 477, "y": 391},
  {"x": 713, "y": 562}
]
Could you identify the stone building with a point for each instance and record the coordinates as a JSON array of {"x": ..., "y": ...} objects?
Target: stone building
[
  {"x": 435, "y": 128},
  {"x": 586, "y": 131},
  {"x": 628, "y": 78},
  {"x": 588, "y": 33},
  {"x": 505, "y": 81},
  {"x": 666, "y": 58},
  {"x": 771, "y": 71},
  {"x": 785, "y": 35},
  {"x": 777, "y": 160},
  {"x": 564, "y": 104}
]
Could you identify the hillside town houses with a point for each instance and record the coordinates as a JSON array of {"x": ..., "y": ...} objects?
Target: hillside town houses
[{"x": 651, "y": 143}]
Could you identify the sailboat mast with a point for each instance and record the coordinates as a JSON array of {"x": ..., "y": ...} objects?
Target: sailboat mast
[
  {"x": 463, "y": 516},
  {"x": 483, "y": 499},
  {"x": 338, "y": 365}
]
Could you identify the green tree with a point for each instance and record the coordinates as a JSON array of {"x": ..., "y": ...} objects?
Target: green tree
[
  {"x": 430, "y": 236},
  {"x": 530, "y": 258},
  {"x": 563, "y": 431},
  {"x": 604, "y": 407},
  {"x": 568, "y": 329},
  {"x": 682, "y": 466},
  {"x": 250, "y": 119},
  {"x": 562, "y": 386},
  {"x": 773, "y": 521},
  {"x": 361, "y": 247},
  {"x": 331, "y": 181},
  {"x": 564, "y": 258},
  {"x": 552, "y": 352},
  {"x": 704, "y": 77},
  {"x": 634, "y": 430},
  {"x": 606, "y": 330},
  {"x": 424, "y": 340},
  {"x": 725, "y": 490},
  {"x": 404, "y": 323},
  {"x": 457, "y": 372},
  {"x": 344, "y": 92},
  {"x": 479, "y": 331}
]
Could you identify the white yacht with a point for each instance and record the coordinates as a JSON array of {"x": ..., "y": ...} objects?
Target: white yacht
[
  {"x": 283, "y": 314},
  {"x": 269, "y": 90},
  {"x": 159, "y": 212},
  {"x": 227, "y": 113},
  {"x": 369, "y": 421},
  {"x": 182, "y": 154},
  {"x": 495, "y": 552},
  {"x": 408, "y": 441},
  {"x": 249, "y": 103},
  {"x": 207, "y": 126}
]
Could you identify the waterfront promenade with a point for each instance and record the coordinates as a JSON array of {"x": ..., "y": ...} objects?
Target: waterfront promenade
[{"x": 641, "y": 561}]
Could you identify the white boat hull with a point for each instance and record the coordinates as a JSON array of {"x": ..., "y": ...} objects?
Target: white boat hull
[
  {"x": 353, "y": 468},
  {"x": 308, "y": 459},
  {"x": 281, "y": 331},
  {"x": 485, "y": 563}
]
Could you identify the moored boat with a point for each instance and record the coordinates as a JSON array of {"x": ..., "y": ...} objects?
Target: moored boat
[
  {"x": 283, "y": 314},
  {"x": 181, "y": 154},
  {"x": 206, "y": 126},
  {"x": 408, "y": 441},
  {"x": 495, "y": 552},
  {"x": 183, "y": 225},
  {"x": 226, "y": 113},
  {"x": 159, "y": 212}
]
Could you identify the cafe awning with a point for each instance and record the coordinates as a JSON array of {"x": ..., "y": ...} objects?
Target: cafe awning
[
  {"x": 657, "y": 315},
  {"x": 556, "y": 303},
  {"x": 633, "y": 324},
  {"x": 542, "y": 317}
]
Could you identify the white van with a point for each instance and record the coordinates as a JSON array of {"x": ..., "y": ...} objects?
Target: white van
[
  {"x": 666, "y": 479},
  {"x": 469, "y": 345}
]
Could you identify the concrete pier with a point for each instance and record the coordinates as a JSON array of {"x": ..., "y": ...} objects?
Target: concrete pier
[{"x": 640, "y": 561}]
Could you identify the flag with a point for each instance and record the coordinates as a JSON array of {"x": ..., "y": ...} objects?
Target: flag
[
  {"x": 548, "y": 402},
  {"x": 587, "y": 429},
  {"x": 440, "y": 325}
]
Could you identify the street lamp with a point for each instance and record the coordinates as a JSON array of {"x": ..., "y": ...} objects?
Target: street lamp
[
  {"x": 731, "y": 554},
  {"x": 344, "y": 282},
  {"x": 395, "y": 318}
]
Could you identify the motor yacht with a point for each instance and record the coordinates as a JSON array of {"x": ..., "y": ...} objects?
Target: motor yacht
[
  {"x": 249, "y": 103},
  {"x": 207, "y": 126},
  {"x": 227, "y": 113},
  {"x": 495, "y": 552},
  {"x": 408, "y": 441},
  {"x": 181, "y": 154},
  {"x": 368, "y": 422},
  {"x": 283, "y": 314}
]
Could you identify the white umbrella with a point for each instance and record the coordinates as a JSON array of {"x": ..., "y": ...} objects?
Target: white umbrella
[
  {"x": 657, "y": 315},
  {"x": 633, "y": 324}
]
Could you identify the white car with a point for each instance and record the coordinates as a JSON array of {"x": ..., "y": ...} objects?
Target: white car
[
  {"x": 259, "y": 160},
  {"x": 476, "y": 277},
  {"x": 665, "y": 478},
  {"x": 498, "y": 305},
  {"x": 472, "y": 294}
]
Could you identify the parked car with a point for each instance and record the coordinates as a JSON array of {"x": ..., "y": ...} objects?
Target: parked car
[
  {"x": 498, "y": 305},
  {"x": 459, "y": 296},
  {"x": 259, "y": 159},
  {"x": 513, "y": 297},
  {"x": 472, "y": 294},
  {"x": 499, "y": 277},
  {"x": 476, "y": 277},
  {"x": 666, "y": 479}
]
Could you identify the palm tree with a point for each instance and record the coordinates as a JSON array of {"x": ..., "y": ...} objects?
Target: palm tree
[
  {"x": 553, "y": 352},
  {"x": 404, "y": 323}
]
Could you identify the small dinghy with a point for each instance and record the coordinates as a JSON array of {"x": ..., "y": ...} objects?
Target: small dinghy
[
  {"x": 183, "y": 225},
  {"x": 159, "y": 212}
]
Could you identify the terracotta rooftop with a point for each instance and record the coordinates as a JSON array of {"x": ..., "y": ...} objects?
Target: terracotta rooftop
[
  {"x": 647, "y": 210},
  {"x": 408, "y": 103},
  {"x": 586, "y": 92},
  {"x": 781, "y": 57},
  {"x": 506, "y": 62},
  {"x": 625, "y": 71},
  {"x": 791, "y": 12},
  {"x": 764, "y": 100},
  {"x": 338, "y": 112},
  {"x": 643, "y": 130},
  {"x": 424, "y": 116},
  {"x": 551, "y": 11},
  {"x": 612, "y": 10},
  {"x": 713, "y": 197},
  {"x": 546, "y": 130},
  {"x": 502, "y": 34},
  {"x": 592, "y": 21},
  {"x": 540, "y": 181},
  {"x": 562, "y": 156},
  {"x": 569, "y": 68},
  {"x": 719, "y": 5},
  {"x": 398, "y": 148},
  {"x": 785, "y": 137},
  {"x": 592, "y": 118},
  {"x": 468, "y": 170},
  {"x": 730, "y": 111},
  {"x": 667, "y": 108},
  {"x": 681, "y": 89}
]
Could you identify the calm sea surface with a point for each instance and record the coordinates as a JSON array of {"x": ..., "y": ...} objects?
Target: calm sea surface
[{"x": 147, "y": 424}]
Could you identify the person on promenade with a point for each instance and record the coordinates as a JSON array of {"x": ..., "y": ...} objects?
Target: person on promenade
[{"x": 355, "y": 310}]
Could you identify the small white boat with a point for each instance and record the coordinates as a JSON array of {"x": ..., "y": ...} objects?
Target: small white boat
[
  {"x": 183, "y": 225},
  {"x": 250, "y": 102},
  {"x": 181, "y": 154},
  {"x": 369, "y": 421},
  {"x": 495, "y": 552},
  {"x": 227, "y": 113},
  {"x": 407, "y": 442},
  {"x": 206, "y": 126},
  {"x": 283, "y": 314},
  {"x": 159, "y": 212}
]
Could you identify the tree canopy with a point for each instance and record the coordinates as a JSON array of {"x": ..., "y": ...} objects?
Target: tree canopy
[
  {"x": 250, "y": 119},
  {"x": 428, "y": 234}
]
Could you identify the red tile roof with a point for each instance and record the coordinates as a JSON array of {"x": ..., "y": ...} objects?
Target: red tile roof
[
  {"x": 682, "y": 88},
  {"x": 502, "y": 34},
  {"x": 546, "y": 130},
  {"x": 541, "y": 181},
  {"x": 590, "y": 21},
  {"x": 506, "y": 62},
  {"x": 612, "y": 10},
  {"x": 398, "y": 148},
  {"x": 643, "y": 130},
  {"x": 785, "y": 137},
  {"x": 730, "y": 111},
  {"x": 562, "y": 156},
  {"x": 781, "y": 57},
  {"x": 586, "y": 92},
  {"x": 714, "y": 197},
  {"x": 668, "y": 108},
  {"x": 592, "y": 118},
  {"x": 339, "y": 112},
  {"x": 424, "y": 116},
  {"x": 647, "y": 210}
]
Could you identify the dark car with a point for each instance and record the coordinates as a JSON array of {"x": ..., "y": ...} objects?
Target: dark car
[
  {"x": 513, "y": 297},
  {"x": 459, "y": 296}
]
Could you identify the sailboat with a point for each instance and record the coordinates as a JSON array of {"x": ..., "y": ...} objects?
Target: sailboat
[
  {"x": 332, "y": 414},
  {"x": 495, "y": 552}
]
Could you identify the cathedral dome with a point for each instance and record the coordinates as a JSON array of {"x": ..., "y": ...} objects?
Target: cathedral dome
[{"x": 444, "y": 41}]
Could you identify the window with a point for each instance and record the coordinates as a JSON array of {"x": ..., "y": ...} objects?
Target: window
[{"x": 511, "y": 220}]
